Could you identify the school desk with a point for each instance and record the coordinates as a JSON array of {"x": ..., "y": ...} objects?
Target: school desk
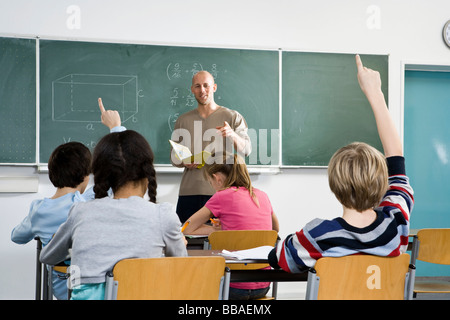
[
  {"x": 264, "y": 275},
  {"x": 195, "y": 242},
  {"x": 412, "y": 234},
  {"x": 201, "y": 241},
  {"x": 258, "y": 275}
]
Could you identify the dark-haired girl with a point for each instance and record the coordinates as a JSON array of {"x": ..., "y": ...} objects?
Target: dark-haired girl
[{"x": 109, "y": 229}]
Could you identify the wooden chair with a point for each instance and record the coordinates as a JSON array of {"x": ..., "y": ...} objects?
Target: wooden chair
[
  {"x": 241, "y": 240},
  {"x": 361, "y": 277},
  {"x": 433, "y": 246},
  {"x": 169, "y": 278}
]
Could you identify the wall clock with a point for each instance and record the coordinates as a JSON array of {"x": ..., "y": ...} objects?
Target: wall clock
[{"x": 446, "y": 33}]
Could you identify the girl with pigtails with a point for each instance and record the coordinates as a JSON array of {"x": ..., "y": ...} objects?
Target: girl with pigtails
[{"x": 108, "y": 229}]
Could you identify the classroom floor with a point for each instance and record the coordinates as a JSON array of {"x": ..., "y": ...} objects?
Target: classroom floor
[
  {"x": 291, "y": 291},
  {"x": 297, "y": 291}
]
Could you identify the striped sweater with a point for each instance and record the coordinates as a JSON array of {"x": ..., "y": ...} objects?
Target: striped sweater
[{"x": 386, "y": 236}]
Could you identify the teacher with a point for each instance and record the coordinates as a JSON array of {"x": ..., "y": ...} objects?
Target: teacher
[{"x": 209, "y": 127}]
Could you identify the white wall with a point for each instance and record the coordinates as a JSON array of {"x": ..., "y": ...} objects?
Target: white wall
[{"x": 406, "y": 29}]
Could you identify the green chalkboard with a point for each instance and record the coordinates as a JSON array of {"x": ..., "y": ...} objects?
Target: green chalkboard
[
  {"x": 17, "y": 100},
  {"x": 323, "y": 107},
  {"x": 150, "y": 86}
]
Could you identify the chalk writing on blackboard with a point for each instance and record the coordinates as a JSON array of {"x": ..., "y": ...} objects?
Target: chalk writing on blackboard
[
  {"x": 74, "y": 96},
  {"x": 172, "y": 119},
  {"x": 177, "y": 70}
]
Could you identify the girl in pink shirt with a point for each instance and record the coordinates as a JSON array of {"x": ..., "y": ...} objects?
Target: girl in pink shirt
[{"x": 236, "y": 205}]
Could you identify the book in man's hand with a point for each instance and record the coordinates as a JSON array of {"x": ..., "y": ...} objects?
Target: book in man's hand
[{"x": 185, "y": 155}]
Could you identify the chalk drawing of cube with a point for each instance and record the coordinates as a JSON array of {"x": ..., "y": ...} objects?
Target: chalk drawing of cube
[{"x": 75, "y": 96}]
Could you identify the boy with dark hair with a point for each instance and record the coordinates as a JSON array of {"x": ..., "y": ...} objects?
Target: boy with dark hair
[{"x": 69, "y": 168}]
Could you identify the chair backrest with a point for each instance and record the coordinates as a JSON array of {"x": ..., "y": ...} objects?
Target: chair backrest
[
  {"x": 169, "y": 278},
  {"x": 361, "y": 277},
  {"x": 241, "y": 240},
  {"x": 434, "y": 245}
]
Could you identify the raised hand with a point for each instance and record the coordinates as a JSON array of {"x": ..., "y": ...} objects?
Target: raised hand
[
  {"x": 370, "y": 83},
  {"x": 110, "y": 118},
  {"x": 369, "y": 80}
]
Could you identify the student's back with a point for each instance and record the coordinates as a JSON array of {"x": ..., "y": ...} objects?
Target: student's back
[
  {"x": 45, "y": 217},
  {"x": 238, "y": 206},
  {"x": 69, "y": 168},
  {"x": 106, "y": 230},
  {"x": 373, "y": 189},
  {"x": 237, "y": 210}
]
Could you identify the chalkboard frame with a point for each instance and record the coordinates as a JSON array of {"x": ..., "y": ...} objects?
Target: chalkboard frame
[{"x": 42, "y": 166}]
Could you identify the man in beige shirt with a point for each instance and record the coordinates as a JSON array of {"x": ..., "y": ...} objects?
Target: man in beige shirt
[{"x": 209, "y": 127}]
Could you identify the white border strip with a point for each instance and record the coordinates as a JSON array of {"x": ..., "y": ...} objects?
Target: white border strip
[
  {"x": 168, "y": 168},
  {"x": 280, "y": 106},
  {"x": 38, "y": 106},
  {"x": 16, "y": 184}
]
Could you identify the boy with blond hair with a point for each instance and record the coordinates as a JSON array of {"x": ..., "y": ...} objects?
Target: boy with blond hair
[{"x": 373, "y": 189}]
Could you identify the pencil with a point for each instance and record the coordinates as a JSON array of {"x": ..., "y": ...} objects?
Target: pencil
[{"x": 184, "y": 225}]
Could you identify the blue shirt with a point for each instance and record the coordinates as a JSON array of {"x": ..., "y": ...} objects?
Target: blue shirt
[
  {"x": 43, "y": 220},
  {"x": 45, "y": 217}
]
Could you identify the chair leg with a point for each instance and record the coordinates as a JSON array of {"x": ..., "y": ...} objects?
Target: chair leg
[
  {"x": 45, "y": 284},
  {"x": 274, "y": 290},
  {"x": 49, "y": 272},
  {"x": 312, "y": 286},
  {"x": 415, "y": 250},
  {"x": 226, "y": 284},
  {"x": 110, "y": 292},
  {"x": 38, "y": 270}
]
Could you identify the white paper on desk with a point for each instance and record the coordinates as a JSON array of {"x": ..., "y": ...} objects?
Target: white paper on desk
[
  {"x": 196, "y": 236},
  {"x": 254, "y": 253}
]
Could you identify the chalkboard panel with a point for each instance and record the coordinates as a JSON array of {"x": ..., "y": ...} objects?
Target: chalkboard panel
[
  {"x": 150, "y": 86},
  {"x": 324, "y": 107},
  {"x": 17, "y": 100}
]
